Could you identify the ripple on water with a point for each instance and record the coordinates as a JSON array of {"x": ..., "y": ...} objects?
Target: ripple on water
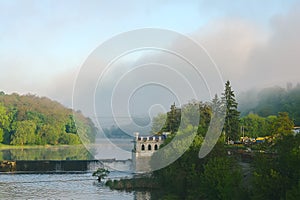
[{"x": 57, "y": 186}]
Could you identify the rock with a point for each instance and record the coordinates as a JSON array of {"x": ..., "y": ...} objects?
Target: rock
[{"x": 7, "y": 166}]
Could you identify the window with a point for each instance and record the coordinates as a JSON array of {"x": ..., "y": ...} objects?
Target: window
[
  {"x": 155, "y": 147},
  {"x": 143, "y": 147},
  {"x": 149, "y": 147}
]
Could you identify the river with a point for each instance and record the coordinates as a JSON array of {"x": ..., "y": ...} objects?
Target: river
[
  {"x": 65, "y": 185},
  {"x": 119, "y": 149},
  {"x": 59, "y": 186}
]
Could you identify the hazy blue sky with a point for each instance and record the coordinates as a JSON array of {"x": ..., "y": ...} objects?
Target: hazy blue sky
[{"x": 44, "y": 43}]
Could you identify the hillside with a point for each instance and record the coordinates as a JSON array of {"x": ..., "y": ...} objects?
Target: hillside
[
  {"x": 33, "y": 120},
  {"x": 270, "y": 101}
]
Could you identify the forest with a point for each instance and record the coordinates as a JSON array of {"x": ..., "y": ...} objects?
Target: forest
[
  {"x": 273, "y": 171},
  {"x": 32, "y": 120},
  {"x": 270, "y": 172},
  {"x": 270, "y": 101}
]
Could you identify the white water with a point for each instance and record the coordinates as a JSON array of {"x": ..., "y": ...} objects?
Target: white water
[{"x": 58, "y": 186}]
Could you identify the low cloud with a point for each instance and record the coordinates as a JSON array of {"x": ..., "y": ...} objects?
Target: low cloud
[
  {"x": 250, "y": 55},
  {"x": 253, "y": 56}
]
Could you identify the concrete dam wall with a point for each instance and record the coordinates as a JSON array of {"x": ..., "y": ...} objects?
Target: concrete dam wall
[{"x": 64, "y": 165}]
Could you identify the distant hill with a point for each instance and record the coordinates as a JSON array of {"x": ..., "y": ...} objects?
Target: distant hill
[
  {"x": 33, "y": 120},
  {"x": 270, "y": 101},
  {"x": 127, "y": 131}
]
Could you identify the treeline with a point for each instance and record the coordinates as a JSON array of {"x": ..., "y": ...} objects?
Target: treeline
[
  {"x": 115, "y": 132},
  {"x": 199, "y": 114},
  {"x": 126, "y": 131},
  {"x": 254, "y": 125},
  {"x": 33, "y": 120},
  {"x": 271, "y": 101}
]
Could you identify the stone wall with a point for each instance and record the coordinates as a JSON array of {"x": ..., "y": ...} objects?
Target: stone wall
[{"x": 144, "y": 147}]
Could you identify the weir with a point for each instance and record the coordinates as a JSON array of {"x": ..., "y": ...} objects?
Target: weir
[{"x": 41, "y": 166}]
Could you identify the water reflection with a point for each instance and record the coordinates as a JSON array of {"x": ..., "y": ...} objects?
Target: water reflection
[
  {"x": 119, "y": 149},
  {"x": 77, "y": 152}
]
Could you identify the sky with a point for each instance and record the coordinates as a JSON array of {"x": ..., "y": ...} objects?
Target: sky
[{"x": 44, "y": 44}]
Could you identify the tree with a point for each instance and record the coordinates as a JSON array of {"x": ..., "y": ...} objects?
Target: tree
[
  {"x": 101, "y": 173},
  {"x": 293, "y": 193},
  {"x": 231, "y": 126},
  {"x": 4, "y": 122},
  {"x": 53, "y": 123},
  {"x": 221, "y": 179},
  {"x": 190, "y": 114},
  {"x": 173, "y": 119},
  {"x": 283, "y": 124},
  {"x": 48, "y": 134},
  {"x": 270, "y": 101},
  {"x": 24, "y": 133},
  {"x": 254, "y": 125},
  {"x": 70, "y": 125},
  {"x": 278, "y": 177},
  {"x": 158, "y": 123},
  {"x": 205, "y": 117},
  {"x": 1, "y": 135}
]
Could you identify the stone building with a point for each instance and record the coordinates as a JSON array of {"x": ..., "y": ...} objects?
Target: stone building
[{"x": 144, "y": 147}]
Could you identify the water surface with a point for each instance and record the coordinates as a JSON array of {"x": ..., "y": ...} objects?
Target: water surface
[
  {"x": 67, "y": 185},
  {"x": 58, "y": 186}
]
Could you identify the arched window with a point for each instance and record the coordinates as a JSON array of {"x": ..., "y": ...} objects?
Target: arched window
[
  {"x": 143, "y": 147},
  {"x": 155, "y": 147},
  {"x": 149, "y": 147}
]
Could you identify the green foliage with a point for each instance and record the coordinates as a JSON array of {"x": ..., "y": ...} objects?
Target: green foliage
[
  {"x": 278, "y": 177},
  {"x": 294, "y": 192},
  {"x": 271, "y": 101},
  {"x": 254, "y": 126},
  {"x": 24, "y": 133},
  {"x": 101, "y": 173},
  {"x": 205, "y": 117},
  {"x": 275, "y": 175},
  {"x": 158, "y": 123},
  {"x": 214, "y": 177},
  {"x": 70, "y": 125},
  {"x": 221, "y": 179},
  {"x": 29, "y": 120},
  {"x": 4, "y": 122},
  {"x": 231, "y": 126},
  {"x": 194, "y": 113},
  {"x": 1, "y": 135},
  {"x": 173, "y": 119},
  {"x": 283, "y": 124}
]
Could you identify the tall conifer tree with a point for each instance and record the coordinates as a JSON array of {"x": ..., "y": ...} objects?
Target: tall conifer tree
[{"x": 231, "y": 125}]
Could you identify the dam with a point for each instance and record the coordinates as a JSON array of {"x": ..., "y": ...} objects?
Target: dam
[{"x": 51, "y": 166}]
